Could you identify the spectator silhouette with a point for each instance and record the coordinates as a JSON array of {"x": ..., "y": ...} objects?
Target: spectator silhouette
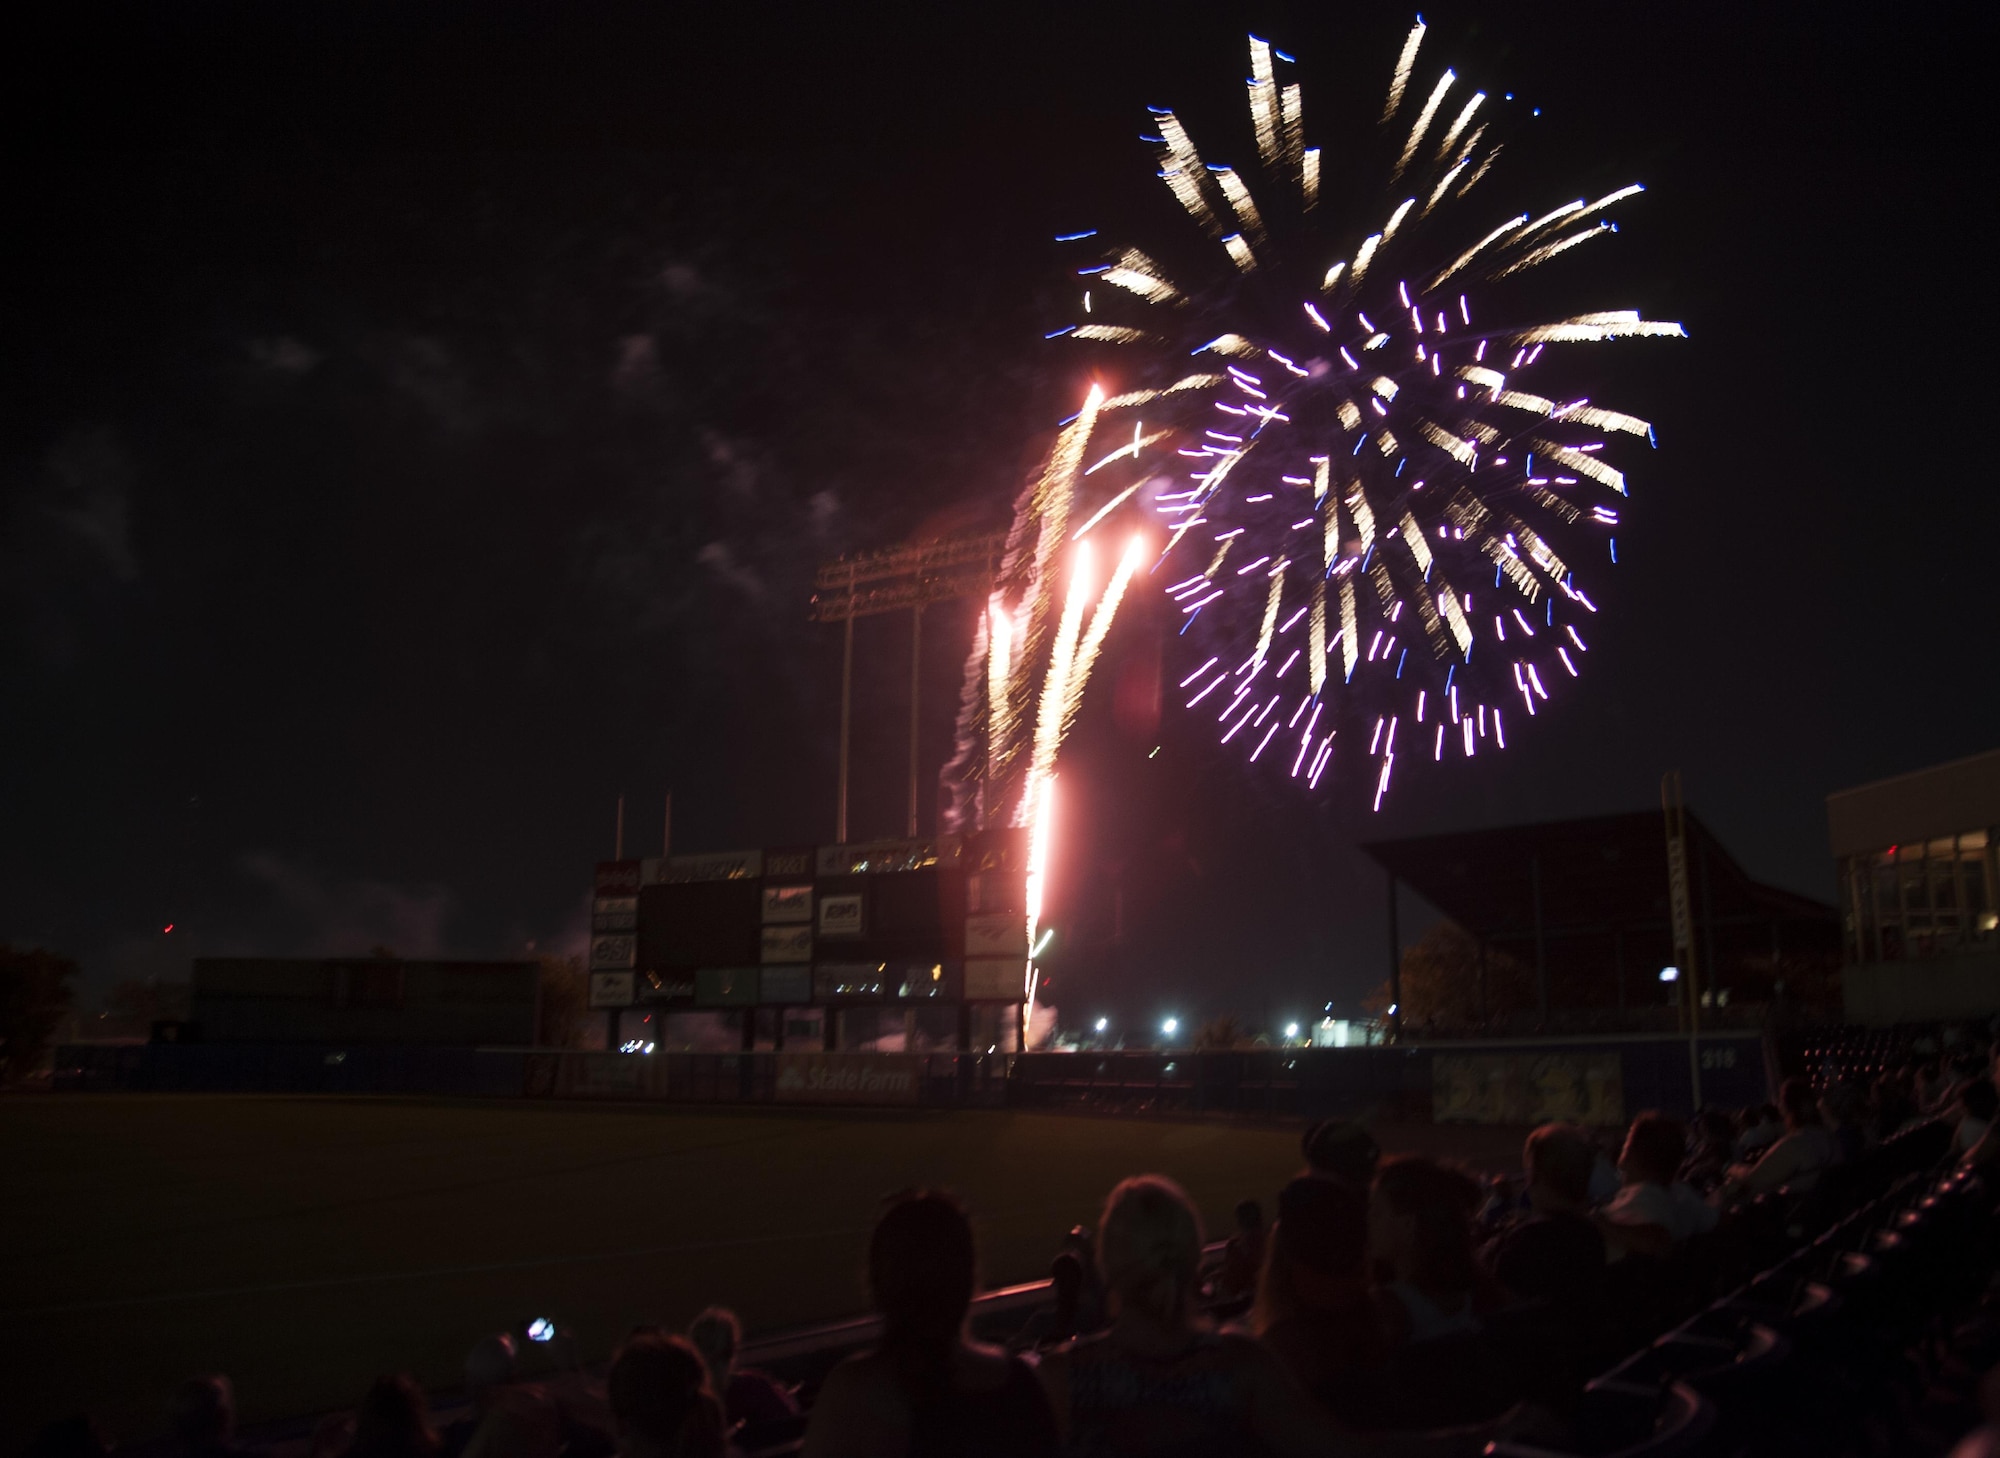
[
  {"x": 748, "y": 1396},
  {"x": 1066, "y": 1283},
  {"x": 1091, "y": 1300},
  {"x": 928, "y": 1390},
  {"x": 1236, "y": 1273},
  {"x": 1762, "y": 1127},
  {"x": 1978, "y": 1101},
  {"x": 1796, "y": 1158},
  {"x": 1557, "y": 1253},
  {"x": 201, "y": 1418},
  {"x": 1160, "y": 1381},
  {"x": 393, "y": 1421},
  {"x": 1653, "y": 1212},
  {"x": 1420, "y": 1229},
  {"x": 1313, "y": 1309},
  {"x": 661, "y": 1403},
  {"x": 1342, "y": 1151},
  {"x": 489, "y": 1373},
  {"x": 1711, "y": 1152}
]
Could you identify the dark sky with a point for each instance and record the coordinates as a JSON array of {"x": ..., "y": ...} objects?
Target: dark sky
[{"x": 422, "y": 422}]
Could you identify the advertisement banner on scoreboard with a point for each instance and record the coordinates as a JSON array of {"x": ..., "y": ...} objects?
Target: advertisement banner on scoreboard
[
  {"x": 840, "y": 916},
  {"x": 667, "y": 989},
  {"x": 848, "y": 1078},
  {"x": 787, "y": 944},
  {"x": 783, "y": 904},
  {"x": 614, "y": 914},
  {"x": 611, "y": 989},
  {"x": 997, "y": 934},
  {"x": 1527, "y": 1088},
  {"x": 791, "y": 986},
  {"x": 799, "y": 861},
  {"x": 713, "y": 866},
  {"x": 612, "y": 951},
  {"x": 616, "y": 878},
  {"x": 996, "y": 979}
]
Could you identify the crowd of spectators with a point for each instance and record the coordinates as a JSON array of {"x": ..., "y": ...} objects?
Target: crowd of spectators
[{"x": 1284, "y": 1341}]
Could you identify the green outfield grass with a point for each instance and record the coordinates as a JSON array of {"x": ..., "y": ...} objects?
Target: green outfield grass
[{"x": 304, "y": 1245}]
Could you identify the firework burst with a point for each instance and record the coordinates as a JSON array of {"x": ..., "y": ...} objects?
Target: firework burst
[{"x": 1376, "y": 524}]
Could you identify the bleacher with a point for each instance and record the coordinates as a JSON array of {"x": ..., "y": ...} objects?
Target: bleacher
[
  {"x": 1869, "y": 1337},
  {"x": 1847, "y": 1320},
  {"x": 1849, "y": 1052}
]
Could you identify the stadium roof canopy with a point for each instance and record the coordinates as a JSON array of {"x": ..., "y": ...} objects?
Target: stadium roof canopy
[
  {"x": 1584, "y": 905},
  {"x": 1606, "y": 873}
]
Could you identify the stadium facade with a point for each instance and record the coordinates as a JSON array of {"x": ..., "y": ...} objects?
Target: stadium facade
[{"x": 1918, "y": 859}]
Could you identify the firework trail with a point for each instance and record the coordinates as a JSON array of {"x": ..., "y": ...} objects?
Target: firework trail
[
  {"x": 1359, "y": 446},
  {"x": 1042, "y": 632},
  {"x": 1024, "y": 682}
]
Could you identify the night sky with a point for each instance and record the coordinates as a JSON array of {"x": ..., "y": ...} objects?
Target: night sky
[{"x": 422, "y": 424}]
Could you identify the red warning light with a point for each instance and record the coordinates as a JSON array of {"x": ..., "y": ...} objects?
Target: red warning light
[{"x": 167, "y": 928}]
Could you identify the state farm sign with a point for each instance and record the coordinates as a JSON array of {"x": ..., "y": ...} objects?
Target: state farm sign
[{"x": 847, "y": 1078}]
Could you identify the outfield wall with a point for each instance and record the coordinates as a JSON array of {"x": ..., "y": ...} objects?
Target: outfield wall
[
  {"x": 1516, "y": 1081},
  {"x": 1502, "y": 1081}
]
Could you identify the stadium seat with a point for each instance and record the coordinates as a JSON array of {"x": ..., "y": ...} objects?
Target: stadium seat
[{"x": 1617, "y": 1420}]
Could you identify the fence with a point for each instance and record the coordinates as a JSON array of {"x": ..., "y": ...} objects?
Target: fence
[
  {"x": 886, "y": 1079},
  {"x": 288, "y": 1068},
  {"x": 1499, "y": 1081}
]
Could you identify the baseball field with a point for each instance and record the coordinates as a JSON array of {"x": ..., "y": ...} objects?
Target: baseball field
[{"x": 304, "y": 1245}]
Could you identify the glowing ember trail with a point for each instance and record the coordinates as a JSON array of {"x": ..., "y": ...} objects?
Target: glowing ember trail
[
  {"x": 1024, "y": 684},
  {"x": 1043, "y": 829}
]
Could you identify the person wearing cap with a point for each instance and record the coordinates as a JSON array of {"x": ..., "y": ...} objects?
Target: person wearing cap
[{"x": 1342, "y": 1151}]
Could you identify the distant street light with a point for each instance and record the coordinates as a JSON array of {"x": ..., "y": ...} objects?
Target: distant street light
[
  {"x": 1170, "y": 1026},
  {"x": 1670, "y": 974},
  {"x": 1291, "y": 1030},
  {"x": 1103, "y": 1023}
]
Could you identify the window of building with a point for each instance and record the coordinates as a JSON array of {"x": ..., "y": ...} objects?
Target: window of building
[{"x": 1922, "y": 899}]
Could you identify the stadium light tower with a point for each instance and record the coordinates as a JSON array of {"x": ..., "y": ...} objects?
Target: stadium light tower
[{"x": 888, "y": 581}]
